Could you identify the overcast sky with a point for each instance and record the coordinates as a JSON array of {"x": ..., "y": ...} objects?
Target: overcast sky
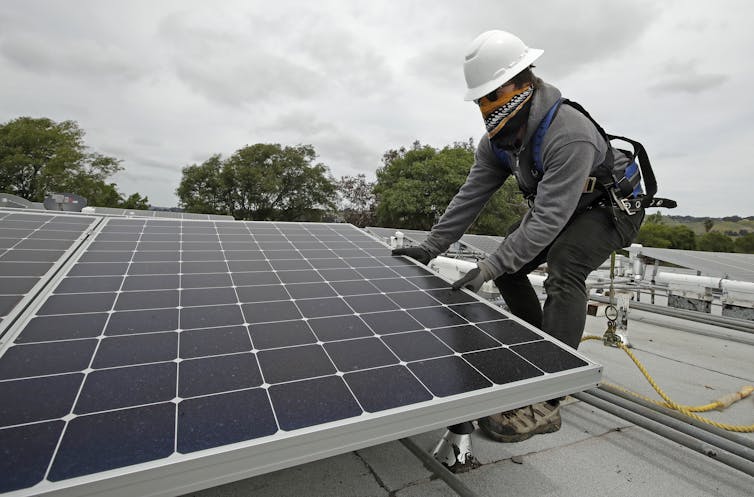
[{"x": 166, "y": 84}]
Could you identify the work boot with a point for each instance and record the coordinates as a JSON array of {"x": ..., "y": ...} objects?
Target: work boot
[{"x": 520, "y": 424}]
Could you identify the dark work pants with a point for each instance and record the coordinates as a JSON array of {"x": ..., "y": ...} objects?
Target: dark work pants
[{"x": 583, "y": 245}]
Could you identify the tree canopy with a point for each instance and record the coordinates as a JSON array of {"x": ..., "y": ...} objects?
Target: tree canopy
[
  {"x": 414, "y": 186},
  {"x": 356, "y": 200},
  {"x": 260, "y": 182},
  {"x": 655, "y": 234},
  {"x": 745, "y": 244},
  {"x": 714, "y": 241},
  {"x": 39, "y": 156}
]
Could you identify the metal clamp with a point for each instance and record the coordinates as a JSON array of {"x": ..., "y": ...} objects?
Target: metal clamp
[
  {"x": 611, "y": 338},
  {"x": 628, "y": 205}
]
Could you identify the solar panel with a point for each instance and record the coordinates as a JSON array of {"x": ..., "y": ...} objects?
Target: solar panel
[
  {"x": 417, "y": 236},
  {"x": 485, "y": 244},
  {"x": 414, "y": 236},
  {"x": 716, "y": 264},
  {"x": 110, "y": 211},
  {"x": 14, "y": 201},
  {"x": 31, "y": 246},
  {"x": 174, "y": 356},
  {"x": 383, "y": 233}
]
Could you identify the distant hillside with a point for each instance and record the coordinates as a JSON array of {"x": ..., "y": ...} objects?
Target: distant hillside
[{"x": 731, "y": 225}]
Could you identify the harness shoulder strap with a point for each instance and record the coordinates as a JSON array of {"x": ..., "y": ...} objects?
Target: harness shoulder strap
[
  {"x": 650, "y": 182},
  {"x": 644, "y": 165},
  {"x": 539, "y": 136},
  {"x": 501, "y": 154}
]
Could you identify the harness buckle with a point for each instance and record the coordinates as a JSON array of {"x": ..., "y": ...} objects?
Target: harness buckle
[
  {"x": 628, "y": 205},
  {"x": 591, "y": 183}
]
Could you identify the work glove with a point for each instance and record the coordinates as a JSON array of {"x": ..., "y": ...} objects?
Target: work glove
[
  {"x": 473, "y": 280},
  {"x": 416, "y": 253}
]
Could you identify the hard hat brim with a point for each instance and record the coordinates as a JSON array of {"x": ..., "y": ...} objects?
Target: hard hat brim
[{"x": 507, "y": 74}]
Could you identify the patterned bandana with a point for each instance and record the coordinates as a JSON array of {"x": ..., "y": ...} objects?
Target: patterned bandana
[{"x": 501, "y": 111}]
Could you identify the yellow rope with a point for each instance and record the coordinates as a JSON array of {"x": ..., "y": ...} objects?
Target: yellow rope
[{"x": 685, "y": 410}]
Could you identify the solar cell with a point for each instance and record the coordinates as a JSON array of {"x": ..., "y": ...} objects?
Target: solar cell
[
  {"x": 31, "y": 247},
  {"x": 164, "y": 356}
]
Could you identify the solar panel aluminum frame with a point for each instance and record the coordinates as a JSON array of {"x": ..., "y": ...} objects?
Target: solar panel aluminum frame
[
  {"x": 156, "y": 214},
  {"x": 8, "y": 323},
  {"x": 180, "y": 474},
  {"x": 183, "y": 473}
]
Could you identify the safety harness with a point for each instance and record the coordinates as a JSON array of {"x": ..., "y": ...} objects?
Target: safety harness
[{"x": 621, "y": 188}]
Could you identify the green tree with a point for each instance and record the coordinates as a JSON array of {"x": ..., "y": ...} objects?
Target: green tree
[
  {"x": 135, "y": 201},
  {"x": 655, "y": 218},
  {"x": 356, "y": 201},
  {"x": 714, "y": 241},
  {"x": 745, "y": 244},
  {"x": 415, "y": 186},
  {"x": 654, "y": 235},
  {"x": 260, "y": 182},
  {"x": 39, "y": 156},
  {"x": 664, "y": 236},
  {"x": 504, "y": 208},
  {"x": 202, "y": 189},
  {"x": 682, "y": 237},
  {"x": 708, "y": 224}
]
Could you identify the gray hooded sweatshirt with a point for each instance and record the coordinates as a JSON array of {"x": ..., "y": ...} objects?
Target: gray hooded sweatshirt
[{"x": 571, "y": 151}]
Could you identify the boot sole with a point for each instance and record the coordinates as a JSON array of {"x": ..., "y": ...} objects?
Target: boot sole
[{"x": 519, "y": 437}]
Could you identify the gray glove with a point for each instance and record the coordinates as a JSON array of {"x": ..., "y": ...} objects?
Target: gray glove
[
  {"x": 417, "y": 253},
  {"x": 473, "y": 280}
]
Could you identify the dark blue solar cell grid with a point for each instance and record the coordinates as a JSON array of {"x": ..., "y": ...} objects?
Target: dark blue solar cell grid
[
  {"x": 30, "y": 245},
  {"x": 173, "y": 337}
]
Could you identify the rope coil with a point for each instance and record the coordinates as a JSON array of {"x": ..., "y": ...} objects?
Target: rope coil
[{"x": 689, "y": 411}]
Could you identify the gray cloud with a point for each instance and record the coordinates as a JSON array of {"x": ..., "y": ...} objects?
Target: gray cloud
[
  {"x": 685, "y": 76},
  {"x": 241, "y": 64},
  {"x": 130, "y": 158},
  {"x": 697, "y": 84},
  {"x": 69, "y": 57},
  {"x": 342, "y": 151},
  {"x": 165, "y": 84},
  {"x": 572, "y": 35},
  {"x": 230, "y": 67},
  {"x": 344, "y": 58}
]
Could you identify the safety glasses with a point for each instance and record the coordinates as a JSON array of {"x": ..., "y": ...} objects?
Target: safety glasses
[{"x": 495, "y": 94}]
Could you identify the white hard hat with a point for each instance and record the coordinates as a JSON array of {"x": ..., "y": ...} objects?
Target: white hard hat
[{"x": 493, "y": 58}]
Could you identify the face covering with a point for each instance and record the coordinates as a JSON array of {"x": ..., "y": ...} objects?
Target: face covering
[{"x": 507, "y": 112}]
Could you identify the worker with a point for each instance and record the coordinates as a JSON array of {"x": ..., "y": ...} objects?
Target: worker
[{"x": 574, "y": 221}]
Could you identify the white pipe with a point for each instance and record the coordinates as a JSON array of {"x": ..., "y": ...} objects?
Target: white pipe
[
  {"x": 735, "y": 292},
  {"x": 688, "y": 280},
  {"x": 455, "y": 268},
  {"x": 738, "y": 293},
  {"x": 737, "y": 286}
]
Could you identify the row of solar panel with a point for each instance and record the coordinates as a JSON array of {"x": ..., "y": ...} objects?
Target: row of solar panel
[
  {"x": 127, "y": 360},
  {"x": 30, "y": 247},
  {"x": 16, "y": 202}
]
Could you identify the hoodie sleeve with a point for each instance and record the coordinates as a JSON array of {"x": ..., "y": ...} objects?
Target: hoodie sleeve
[
  {"x": 485, "y": 177},
  {"x": 568, "y": 160}
]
